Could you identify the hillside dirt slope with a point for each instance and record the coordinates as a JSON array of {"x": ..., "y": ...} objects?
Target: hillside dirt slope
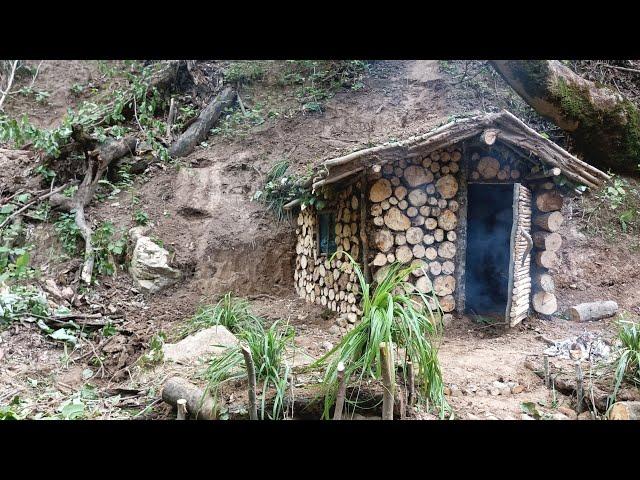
[{"x": 223, "y": 242}]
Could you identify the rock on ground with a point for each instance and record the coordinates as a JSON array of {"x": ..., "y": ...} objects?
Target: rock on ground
[
  {"x": 211, "y": 341},
  {"x": 150, "y": 264}
]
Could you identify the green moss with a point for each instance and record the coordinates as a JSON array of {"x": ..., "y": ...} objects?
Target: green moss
[{"x": 618, "y": 126}]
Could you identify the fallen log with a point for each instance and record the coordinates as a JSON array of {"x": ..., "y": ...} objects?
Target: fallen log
[
  {"x": 199, "y": 129},
  {"x": 593, "y": 311},
  {"x": 625, "y": 411},
  {"x": 199, "y": 405}
]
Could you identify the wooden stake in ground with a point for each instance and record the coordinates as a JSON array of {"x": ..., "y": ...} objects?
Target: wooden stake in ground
[
  {"x": 182, "y": 409},
  {"x": 579, "y": 388},
  {"x": 342, "y": 388},
  {"x": 388, "y": 381},
  {"x": 251, "y": 374},
  {"x": 547, "y": 382},
  {"x": 412, "y": 383}
]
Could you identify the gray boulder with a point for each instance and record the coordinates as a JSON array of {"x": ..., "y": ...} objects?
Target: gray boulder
[{"x": 150, "y": 264}]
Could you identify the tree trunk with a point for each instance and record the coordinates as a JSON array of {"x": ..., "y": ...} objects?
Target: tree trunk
[{"x": 603, "y": 124}]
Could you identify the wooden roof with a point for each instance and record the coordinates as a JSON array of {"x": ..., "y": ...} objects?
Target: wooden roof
[{"x": 502, "y": 126}]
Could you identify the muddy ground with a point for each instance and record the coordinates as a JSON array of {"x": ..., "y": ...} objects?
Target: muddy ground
[{"x": 222, "y": 241}]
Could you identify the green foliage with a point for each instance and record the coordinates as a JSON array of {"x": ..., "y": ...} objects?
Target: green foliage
[
  {"x": 155, "y": 354},
  {"x": 319, "y": 80},
  {"x": 230, "y": 311},
  {"x": 280, "y": 188},
  {"x": 396, "y": 313},
  {"x": 268, "y": 347},
  {"x": 17, "y": 300},
  {"x": 68, "y": 232},
  {"x": 140, "y": 217},
  {"x": 614, "y": 208},
  {"x": 109, "y": 330},
  {"x": 137, "y": 95},
  {"x": 108, "y": 249},
  {"x": 627, "y": 356},
  {"x": 244, "y": 72},
  {"x": 237, "y": 123},
  {"x": 47, "y": 173}
]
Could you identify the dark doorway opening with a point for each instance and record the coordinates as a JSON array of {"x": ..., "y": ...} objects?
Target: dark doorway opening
[{"x": 489, "y": 223}]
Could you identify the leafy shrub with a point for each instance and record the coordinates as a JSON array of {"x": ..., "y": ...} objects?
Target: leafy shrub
[
  {"x": 627, "y": 359},
  {"x": 281, "y": 188},
  {"x": 396, "y": 313},
  {"x": 68, "y": 232},
  {"x": 230, "y": 311},
  {"x": 108, "y": 250},
  {"x": 244, "y": 72}
]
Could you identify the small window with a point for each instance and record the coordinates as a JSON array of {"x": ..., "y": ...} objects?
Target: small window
[{"x": 326, "y": 233}]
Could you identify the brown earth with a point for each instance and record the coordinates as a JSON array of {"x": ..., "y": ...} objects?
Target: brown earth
[{"x": 223, "y": 241}]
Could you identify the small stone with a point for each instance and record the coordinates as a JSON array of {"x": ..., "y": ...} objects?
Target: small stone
[
  {"x": 447, "y": 391},
  {"x": 334, "y": 330},
  {"x": 585, "y": 416},
  {"x": 524, "y": 416},
  {"x": 352, "y": 317},
  {"x": 559, "y": 416},
  {"x": 495, "y": 391},
  {"x": 326, "y": 345},
  {"x": 570, "y": 413},
  {"x": 517, "y": 389},
  {"x": 455, "y": 391},
  {"x": 342, "y": 322}
]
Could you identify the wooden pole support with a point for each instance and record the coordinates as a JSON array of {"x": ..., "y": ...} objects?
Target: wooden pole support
[
  {"x": 182, "y": 409},
  {"x": 546, "y": 371},
  {"x": 579, "y": 388},
  {"x": 251, "y": 373},
  {"x": 342, "y": 388},
  {"x": 388, "y": 381},
  {"x": 412, "y": 383}
]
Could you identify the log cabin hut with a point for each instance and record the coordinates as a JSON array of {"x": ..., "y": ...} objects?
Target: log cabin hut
[{"x": 474, "y": 205}]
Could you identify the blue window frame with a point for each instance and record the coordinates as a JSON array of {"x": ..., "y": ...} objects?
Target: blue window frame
[{"x": 326, "y": 233}]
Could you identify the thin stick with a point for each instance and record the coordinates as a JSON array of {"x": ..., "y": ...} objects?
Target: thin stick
[
  {"x": 9, "y": 83},
  {"x": 28, "y": 205},
  {"x": 170, "y": 120},
  {"x": 626, "y": 69},
  {"x": 182, "y": 409},
  {"x": 35, "y": 75},
  {"x": 546, "y": 371},
  {"x": 251, "y": 373},
  {"x": 412, "y": 383},
  {"x": 244, "y": 112},
  {"x": 579, "y": 388},
  {"x": 342, "y": 388},
  {"x": 387, "y": 380}
]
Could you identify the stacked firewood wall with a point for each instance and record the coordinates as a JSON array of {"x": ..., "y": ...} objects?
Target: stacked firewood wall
[
  {"x": 332, "y": 284},
  {"x": 521, "y": 289},
  {"x": 547, "y": 241},
  {"x": 413, "y": 205}
]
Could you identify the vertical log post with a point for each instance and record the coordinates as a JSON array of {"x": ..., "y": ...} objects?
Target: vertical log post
[
  {"x": 363, "y": 224},
  {"x": 251, "y": 373},
  {"x": 342, "y": 388},
  {"x": 579, "y": 388},
  {"x": 388, "y": 381},
  {"x": 182, "y": 409},
  {"x": 412, "y": 383},
  {"x": 546, "y": 371}
]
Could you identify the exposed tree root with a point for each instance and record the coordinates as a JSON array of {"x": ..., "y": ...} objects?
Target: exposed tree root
[{"x": 97, "y": 163}]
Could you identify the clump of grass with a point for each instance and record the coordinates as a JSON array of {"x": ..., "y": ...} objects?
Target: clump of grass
[
  {"x": 280, "y": 188},
  {"x": 396, "y": 313},
  {"x": 627, "y": 359},
  {"x": 267, "y": 346},
  {"x": 230, "y": 311}
]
